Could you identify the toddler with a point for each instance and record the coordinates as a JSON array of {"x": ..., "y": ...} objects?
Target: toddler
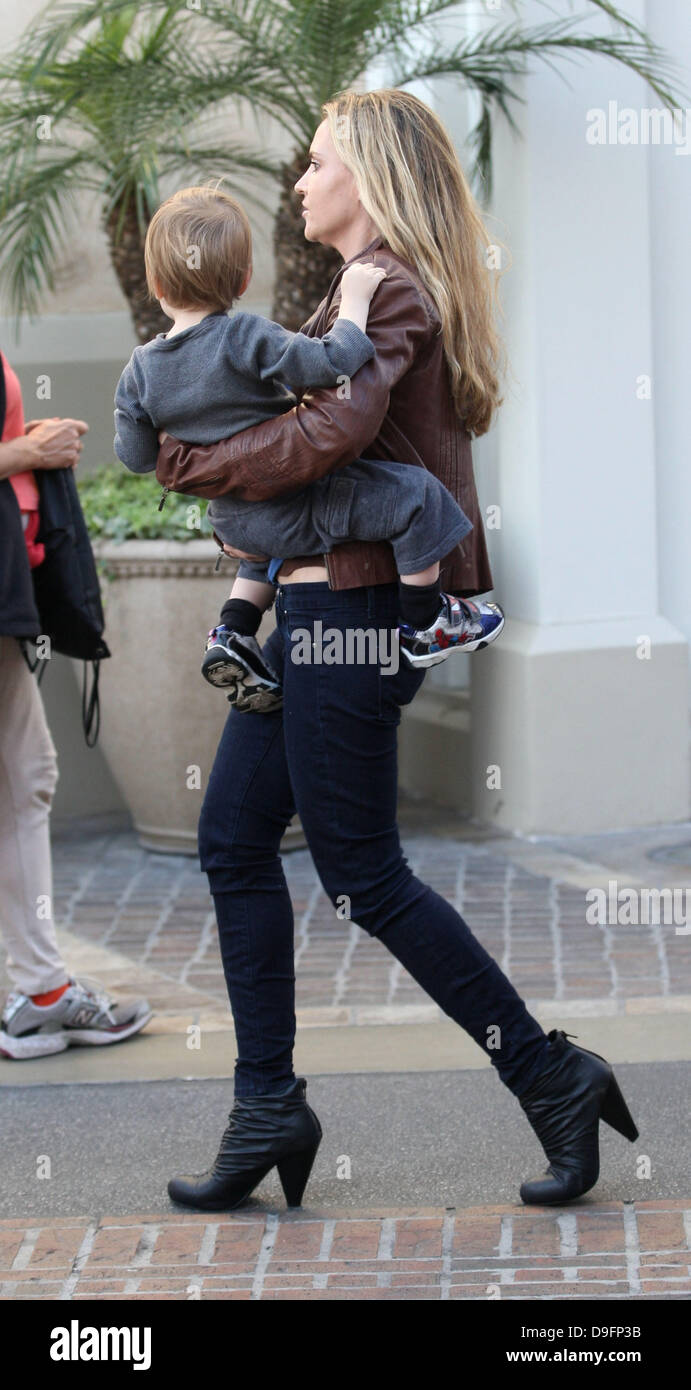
[{"x": 213, "y": 375}]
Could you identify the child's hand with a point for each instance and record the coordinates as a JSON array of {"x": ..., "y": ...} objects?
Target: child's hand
[{"x": 360, "y": 280}]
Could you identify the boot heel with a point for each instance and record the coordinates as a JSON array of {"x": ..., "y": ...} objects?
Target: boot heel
[
  {"x": 615, "y": 1112},
  {"x": 294, "y": 1170}
]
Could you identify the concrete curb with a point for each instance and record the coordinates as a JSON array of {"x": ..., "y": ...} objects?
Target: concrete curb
[{"x": 399, "y": 1047}]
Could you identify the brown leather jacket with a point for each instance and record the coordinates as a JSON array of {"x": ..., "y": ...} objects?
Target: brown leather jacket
[{"x": 399, "y": 407}]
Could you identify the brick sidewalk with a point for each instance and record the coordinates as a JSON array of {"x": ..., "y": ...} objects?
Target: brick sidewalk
[
  {"x": 152, "y": 913},
  {"x": 609, "y": 1250}
]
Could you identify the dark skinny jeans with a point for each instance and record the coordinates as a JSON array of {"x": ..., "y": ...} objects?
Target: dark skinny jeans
[{"x": 330, "y": 754}]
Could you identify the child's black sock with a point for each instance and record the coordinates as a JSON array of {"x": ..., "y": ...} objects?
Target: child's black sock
[
  {"x": 419, "y": 603},
  {"x": 242, "y": 616}
]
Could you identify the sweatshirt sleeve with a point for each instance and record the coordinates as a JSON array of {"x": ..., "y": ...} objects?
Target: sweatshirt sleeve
[
  {"x": 264, "y": 349},
  {"x": 136, "y": 437}
]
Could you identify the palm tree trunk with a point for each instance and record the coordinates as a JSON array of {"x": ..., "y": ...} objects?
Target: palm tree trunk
[
  {"x": 127, "y": 257},
  {"x": 304, "y": 269}
]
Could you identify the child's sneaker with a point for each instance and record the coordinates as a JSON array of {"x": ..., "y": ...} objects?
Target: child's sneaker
[
  {"x": 462, "y": 625},
  {"x": 234, "y": 662},
  {"x": 83, "y": 1015}
]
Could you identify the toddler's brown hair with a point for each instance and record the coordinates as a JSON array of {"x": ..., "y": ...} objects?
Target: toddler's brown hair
[{"x": 198, "y": 249}]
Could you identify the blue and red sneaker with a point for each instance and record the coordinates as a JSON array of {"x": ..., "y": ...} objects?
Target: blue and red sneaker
[{"x": 462, "y": 625}]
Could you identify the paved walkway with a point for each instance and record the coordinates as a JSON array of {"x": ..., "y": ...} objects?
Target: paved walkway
[
  {"x": 144, "y": 922},
  {"x": 613, "y": 1251}
]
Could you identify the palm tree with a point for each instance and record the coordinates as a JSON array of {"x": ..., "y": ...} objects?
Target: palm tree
[
  {"x": 132, "y": 89},
  {"x": 113, "y": 118}
]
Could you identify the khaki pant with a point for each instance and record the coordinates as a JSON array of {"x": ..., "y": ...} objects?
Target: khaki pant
[{"x": 28, "y": 777}]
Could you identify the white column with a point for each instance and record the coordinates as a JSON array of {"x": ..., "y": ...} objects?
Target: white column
[
  {"x": 670, "y": 221},
  {"x": 580, "y": 710}
]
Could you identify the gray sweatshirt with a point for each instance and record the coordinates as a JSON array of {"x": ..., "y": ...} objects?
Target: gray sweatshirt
[{"x": 221, "y": 376}]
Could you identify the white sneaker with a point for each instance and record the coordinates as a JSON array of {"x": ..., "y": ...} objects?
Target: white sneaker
[{"x": 83, "y": 1015}]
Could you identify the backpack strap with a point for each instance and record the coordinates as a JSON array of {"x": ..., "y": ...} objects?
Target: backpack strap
[{"x": 91, "y": 705}]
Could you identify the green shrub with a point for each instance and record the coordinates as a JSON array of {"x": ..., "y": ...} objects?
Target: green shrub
[{"x": 123, "y": 506}]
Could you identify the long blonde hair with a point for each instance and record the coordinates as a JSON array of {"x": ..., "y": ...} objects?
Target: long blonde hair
[{"x": 410, "y": 182}]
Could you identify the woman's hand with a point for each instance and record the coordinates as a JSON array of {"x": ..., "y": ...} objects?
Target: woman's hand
[
  {"x": 53, "y": 443},
  {"x": 45, "y": 444}
]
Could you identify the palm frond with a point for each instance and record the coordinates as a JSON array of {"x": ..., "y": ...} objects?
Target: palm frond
[
  {"x": 138, "y": 92},
  {"x": 37, "y": 209},
  {"x": 232, "y": 164},
  {"x": 508, "y": 50}
]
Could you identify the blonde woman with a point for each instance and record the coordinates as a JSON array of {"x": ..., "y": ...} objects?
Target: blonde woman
[{"x": 384, "y": 186}]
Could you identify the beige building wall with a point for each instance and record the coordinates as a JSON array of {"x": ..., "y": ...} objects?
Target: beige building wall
[
  {"x": 79, "y": 344},
  {"x": 576, "y": 588}
]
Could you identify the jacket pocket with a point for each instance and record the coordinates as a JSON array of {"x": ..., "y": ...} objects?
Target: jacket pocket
[
  {"x": 360, "y": 510},
  {"x": 341, "y": 494},
  {"x": 192, "y": 485}
]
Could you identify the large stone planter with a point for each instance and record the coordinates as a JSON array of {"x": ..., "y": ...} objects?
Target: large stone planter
[{"x": 160, "y": 720}]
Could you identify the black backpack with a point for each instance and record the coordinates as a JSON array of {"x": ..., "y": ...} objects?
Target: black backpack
[
  {"x": 66, "y": 588},
  {"x": 59, "y": 598}
]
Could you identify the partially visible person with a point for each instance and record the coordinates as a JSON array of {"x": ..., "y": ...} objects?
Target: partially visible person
[{"x": 48, "y": 1009}]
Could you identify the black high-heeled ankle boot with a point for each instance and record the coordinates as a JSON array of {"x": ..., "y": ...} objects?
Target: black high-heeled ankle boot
[
  {"x": 262, "y": 1131},
  {"x": 564, "y": 1107}
]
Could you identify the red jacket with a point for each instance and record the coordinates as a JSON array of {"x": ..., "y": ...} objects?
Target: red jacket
[{"x": 23, "y": 484}]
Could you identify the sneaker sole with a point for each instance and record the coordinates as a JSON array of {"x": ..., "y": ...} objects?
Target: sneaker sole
[
  {"x": 35, "y": 1045},
  {"x": 47, "y": 1044},
  {"x": 221, "y": 672},
  {"x": 225, "y": 673},
  {"x": 244, "y": 692},
  {"x": 246, "y": 697}
]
